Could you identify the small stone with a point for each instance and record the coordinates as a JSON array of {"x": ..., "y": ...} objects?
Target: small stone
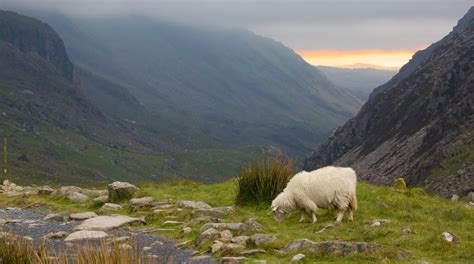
[
  {"x": 470, "y": 197},
  {"x": 193, "y": 205},
  {"x": 163, "y": 206},
  {"x": 146, "y": 248},
  {"x": 78, "y": 197},
  {"x": 27, "y": 238},
  {"x": 170, "y": 222},
  {"x": 56, "y": 235},
  {"x": 379, "y": 222},
  {"x": 241, "y": 240},
  {"x": 69, "y": 244},
  {"x": 232, "y": 249},
  {"x": 252, "y": 252},
  {"x": 261, "y": 239},
  {"x": 45, "y": 191},
  {"x": 86, "y": 234},
  {"x": 454, "y": 198},
  {"x": 186, "y": 230},
  {"x": 208, "y": 234},
  {"x": 82, "y": 216},
  {"x": 54, "y": 217},
  {"x": 111, "y": 207},
  {"x": 216, "y": 246},
  {"x": 407, "y": 230},
  {"x": 469, "y": 205},
  {"x": 182, "y": 244},
  {"x": 144, "y": 202},
  {"x": 222, "y": 226},
  {"x": 297, "y": 257},
  {"x": 252, "y": 224},
  {"x": 226, "y": 235},
  {"x": 120, "y": 239},
  {"x": 156, "y": 244},
  {"x": 448, "y": 237},
  {"x": 233, "y": 260}
]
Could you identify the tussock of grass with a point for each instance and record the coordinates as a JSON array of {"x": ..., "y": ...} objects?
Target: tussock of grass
[{"x": 261, "y": 182}]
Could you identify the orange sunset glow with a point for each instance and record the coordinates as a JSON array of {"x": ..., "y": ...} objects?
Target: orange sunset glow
[{"x": 390, "y": 59}]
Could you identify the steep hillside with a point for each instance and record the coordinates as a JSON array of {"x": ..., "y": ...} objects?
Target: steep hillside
[
  {"x": 422, "y": 129},
  {"x": 207, "y": 87},
  {"x": 421, "y": 56},
  {"x": 361, "y": 81}
]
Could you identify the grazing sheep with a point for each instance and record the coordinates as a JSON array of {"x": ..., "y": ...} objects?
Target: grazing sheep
[{"x": 327, "y": 188}]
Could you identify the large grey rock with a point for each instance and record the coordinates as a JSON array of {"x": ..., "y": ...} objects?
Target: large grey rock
[
  {"x": 103, "y": 223},
  {"x": 261, "y": 239},
  {"x": 82, "y": 216},
  {"x": 215, "y": 212},
  {"x": 120, "y": 191},
  {"x": 144, "y": 202},
  {"x": 207, "y": 235},
  {"x": 193, "y": 205},
  {"x": 337, "y": 248},
  {"x": 78, "y": 197},
  {"x": 85, "y": 234}
]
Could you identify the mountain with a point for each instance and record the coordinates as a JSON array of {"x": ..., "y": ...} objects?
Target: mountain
[
  {"x": 420, "y": 57},
  {"x": 360, "y": 81},
  {"x": 368, "y": 66},
  {"x": 204, "y": 87},
  {"x": 422, "y": 129}
]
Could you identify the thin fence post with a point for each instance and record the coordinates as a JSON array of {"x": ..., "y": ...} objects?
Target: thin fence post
[{"x": 5, "y": 158}]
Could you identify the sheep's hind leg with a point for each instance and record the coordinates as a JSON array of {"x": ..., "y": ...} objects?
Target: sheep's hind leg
[
  {"x": 351, "y": 215},
  {"x": 314, "y": 217},
  {"x": 302, "y": 217},
  {"x": 340, "y": 215}
]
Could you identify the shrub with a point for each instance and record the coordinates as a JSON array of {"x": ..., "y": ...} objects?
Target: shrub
[{"x": 261, "y": 182}]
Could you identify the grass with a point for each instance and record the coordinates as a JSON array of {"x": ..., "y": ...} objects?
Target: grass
[
  {"x": 426, "y": 216},
  {"x": 261, "y": 182}
]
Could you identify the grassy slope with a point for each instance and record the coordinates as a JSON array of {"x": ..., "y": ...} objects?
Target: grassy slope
[{"x": 427, "y": 217}]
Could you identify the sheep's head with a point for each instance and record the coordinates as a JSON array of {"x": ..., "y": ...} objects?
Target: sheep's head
[{"x": 278, "y": 214}]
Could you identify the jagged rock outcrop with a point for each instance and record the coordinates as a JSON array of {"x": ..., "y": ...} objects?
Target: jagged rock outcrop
[{"x": 420, "y": 130}]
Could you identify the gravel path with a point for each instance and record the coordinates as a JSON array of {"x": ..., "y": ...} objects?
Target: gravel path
[{"x": 27, "y": 222}]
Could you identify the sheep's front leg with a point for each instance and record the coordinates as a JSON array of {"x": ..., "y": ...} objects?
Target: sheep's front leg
[
  {"x": 340, "y": 215},
  {"x": 309, "y": 206},
  {"x": 351, "y": 215},
  {"x": 314, "y": 217}
]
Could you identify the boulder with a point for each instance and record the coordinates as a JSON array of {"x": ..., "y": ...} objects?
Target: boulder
[
  {"x": 45, "y": 191},
  {"x": 111, "y": 207},
  {"x": 86, "y": 234},
  {"x": 193, "y": 205},
  {"x": 337, "y": 248},
  {"x": 233, "y": 260},
  {"x": 144, "y": 202},
  {"x": 82, "y": 216},
  {"x": 297, "y": 257},
  {"x": 120, "y": 191},
  {"x": 54, "y": 217},
  {"x": 101, "y": 199},
  {"x": 103, "y": 223},
  {"x": 261, "y": 239},
  {"x": 78, "y": 197},
  {"x": 241, "y": 240},
  {"x": 206, "y": 235}
]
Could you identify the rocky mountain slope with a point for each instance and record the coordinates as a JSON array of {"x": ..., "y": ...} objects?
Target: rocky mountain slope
[
  {"x": 204, "y": 87},
  {"x": 421, "y": 56},
  {"x": 422, "y": 129},
  {"x": 361, "y": 81}
]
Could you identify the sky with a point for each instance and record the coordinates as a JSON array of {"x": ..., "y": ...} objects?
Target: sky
[{"x": 323, "y": 32}]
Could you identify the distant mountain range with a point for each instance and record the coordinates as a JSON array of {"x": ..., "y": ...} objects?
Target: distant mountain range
[
  {"x": 148, "y": 100},
  {"x": 420, "y": 127},
  {"x": 361, "y": 81},
  {"x": 368, "y": 66}
]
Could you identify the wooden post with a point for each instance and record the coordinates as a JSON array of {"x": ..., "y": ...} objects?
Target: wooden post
[{"x": 5, "y": 159}]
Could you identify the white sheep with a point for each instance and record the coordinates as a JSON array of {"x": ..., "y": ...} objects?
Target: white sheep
[{"x": 327, "y": 188}]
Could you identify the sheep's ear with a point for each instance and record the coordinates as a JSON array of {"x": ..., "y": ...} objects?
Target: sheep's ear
[{"x": 274, "y": 208}]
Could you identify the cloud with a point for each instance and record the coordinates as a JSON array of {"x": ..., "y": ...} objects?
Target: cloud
[{"x": 319, "y": 24}]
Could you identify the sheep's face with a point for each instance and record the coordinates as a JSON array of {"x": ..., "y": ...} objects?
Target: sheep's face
[{"x": 278, "y": 214}]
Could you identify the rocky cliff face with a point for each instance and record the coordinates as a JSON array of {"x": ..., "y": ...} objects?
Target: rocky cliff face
[
  {"x": 31, "y": 35},
  {"x": 421, "y": 129},
  {"x": 421, "y": 56}
]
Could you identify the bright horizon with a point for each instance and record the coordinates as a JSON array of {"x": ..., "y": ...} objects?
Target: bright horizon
[{"x": 388, "y": 59}]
